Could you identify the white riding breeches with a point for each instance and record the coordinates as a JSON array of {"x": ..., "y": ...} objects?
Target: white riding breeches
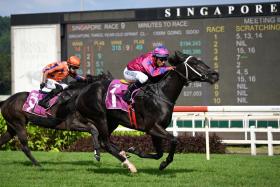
[
  {"x": 50, "y": 85},
  {"x": 133, "y": 76}
]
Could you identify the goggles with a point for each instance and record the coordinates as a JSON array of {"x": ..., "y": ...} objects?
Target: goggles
[{"x": 162, "y": 58}]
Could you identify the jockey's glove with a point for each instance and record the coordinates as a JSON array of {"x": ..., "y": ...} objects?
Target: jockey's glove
[{"x": 42, "y": 85}]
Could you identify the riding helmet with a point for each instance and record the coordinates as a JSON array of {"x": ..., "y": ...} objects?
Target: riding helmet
[
  {"x": 160, "y": 52},
  {"x": 74, "y": 61}
]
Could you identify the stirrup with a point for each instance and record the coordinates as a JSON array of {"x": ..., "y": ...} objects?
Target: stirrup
[
  {"x": 126, "y": 97},
  {"x": 45, "y": 105}
]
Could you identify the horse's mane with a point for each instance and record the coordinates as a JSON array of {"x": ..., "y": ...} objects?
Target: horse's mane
[
  {"x": 90, "y": 79},
  {"x": 177, "y": 58}
]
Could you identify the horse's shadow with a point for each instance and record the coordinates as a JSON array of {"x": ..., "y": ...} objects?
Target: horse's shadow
[
  {"x": 44, "y": 165},
  {"x": 101, "y": 168},
  {"x": 150, "y": 171}
]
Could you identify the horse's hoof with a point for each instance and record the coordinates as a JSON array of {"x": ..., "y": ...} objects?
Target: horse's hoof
[
  {"x": 163, "y": 165},
  {"x": 129, "y": 166},
  {"x": 97, "y": 158}
]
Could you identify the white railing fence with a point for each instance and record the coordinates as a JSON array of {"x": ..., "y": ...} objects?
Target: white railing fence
[{"x": 206, "y": 118}]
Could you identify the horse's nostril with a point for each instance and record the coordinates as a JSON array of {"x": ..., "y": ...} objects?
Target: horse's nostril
[{"x": 215, "y": 76}]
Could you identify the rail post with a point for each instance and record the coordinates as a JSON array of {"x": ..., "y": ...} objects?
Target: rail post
[
  {"x": 269, "y": 141},
  {"x": 253, "y": 140},
  {"x": 207, "y": 139},
  {"x": 175, "y": 127},
  {"x": 193, "y": 124}
]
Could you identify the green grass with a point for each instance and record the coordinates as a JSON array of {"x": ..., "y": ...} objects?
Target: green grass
[{"x": 79, "y": 169}]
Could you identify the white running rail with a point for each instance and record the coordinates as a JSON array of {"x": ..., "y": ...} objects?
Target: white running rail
[{"x": 207, "y": 117}]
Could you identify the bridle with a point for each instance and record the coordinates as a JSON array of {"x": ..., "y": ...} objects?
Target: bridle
[{"x": 186, "y": 77}]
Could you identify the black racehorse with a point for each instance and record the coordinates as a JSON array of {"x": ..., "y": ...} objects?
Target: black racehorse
[
  {"x": 65, "y": 116},
  {"x": 153, "y": 107}
]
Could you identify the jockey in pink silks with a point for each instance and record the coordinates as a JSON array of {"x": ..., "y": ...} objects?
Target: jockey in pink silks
[{"x": 139, "y": 70}]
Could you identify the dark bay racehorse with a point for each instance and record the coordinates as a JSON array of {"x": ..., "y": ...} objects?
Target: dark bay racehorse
[
  {"x": 65, "y": 116},
  {"x": 153, "y": 107}
]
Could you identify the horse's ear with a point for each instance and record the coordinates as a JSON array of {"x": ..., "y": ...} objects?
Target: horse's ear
[{"x": 179, "y": 54}]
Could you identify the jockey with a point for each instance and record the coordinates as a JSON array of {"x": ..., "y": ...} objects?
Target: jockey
[
  {"x": 151, "y": 64},
  {"x": 54, "y": 73}
]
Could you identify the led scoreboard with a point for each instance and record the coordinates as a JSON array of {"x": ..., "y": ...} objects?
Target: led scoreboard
[{"x": 241, "y": 42}]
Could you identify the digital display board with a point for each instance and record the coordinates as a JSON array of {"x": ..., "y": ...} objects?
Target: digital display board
[{"x": 243, "y": 47}]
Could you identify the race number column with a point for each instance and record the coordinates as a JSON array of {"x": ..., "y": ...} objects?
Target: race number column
[
  {"x": 88, "y": 59},
  {"x": 215, "y": 31}
]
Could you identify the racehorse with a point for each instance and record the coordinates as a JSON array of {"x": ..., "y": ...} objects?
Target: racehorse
[
  {"x": 153, "y": 106},
  {"x": 64, "y": 116}
]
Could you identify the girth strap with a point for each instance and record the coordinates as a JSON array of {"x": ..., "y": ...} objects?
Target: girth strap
[{"x": 132, "y": 116}]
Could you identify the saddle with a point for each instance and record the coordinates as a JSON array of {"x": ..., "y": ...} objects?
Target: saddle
[
  {"x": 114, "y": 95},
  {"x": 31, "y": 104},
  {"x": 114, "y": 101}
]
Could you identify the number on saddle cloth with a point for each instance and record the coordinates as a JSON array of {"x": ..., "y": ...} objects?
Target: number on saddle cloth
[
  {"x": 114, "y": 95},
  {"x": 31, "y": 103}
]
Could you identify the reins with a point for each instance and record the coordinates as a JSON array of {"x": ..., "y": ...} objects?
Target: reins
[{"x": 186, "y": 77}]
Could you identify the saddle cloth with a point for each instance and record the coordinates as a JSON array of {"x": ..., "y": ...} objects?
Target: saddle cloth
[
  {"x": 31, "y": 104},
  {"x": 114, "y": 95}
]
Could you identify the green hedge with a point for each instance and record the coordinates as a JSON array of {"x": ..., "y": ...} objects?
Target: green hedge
[
  {"x": 41, "y": 139},
  {"x": 143, "y": 143}
]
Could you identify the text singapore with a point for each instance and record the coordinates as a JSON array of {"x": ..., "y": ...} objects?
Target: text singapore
[{"x": 257, "y": 9}]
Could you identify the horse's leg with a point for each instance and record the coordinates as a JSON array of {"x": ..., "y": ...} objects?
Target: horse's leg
[
  {"x": 121, "y": 152},
  {"x": 96, "y": 145},
  {"x": 76, "y": 124},
  {"x": 112, "y": 148},
  {"x": 120, "y": 155},
  {"x": 7, "y": 136},
  {"x": 157, "y": 142},
  {"x": 111, "y": 127},
  {"x": 22, "y": 136},
  {"x": 158, "y": 131}
]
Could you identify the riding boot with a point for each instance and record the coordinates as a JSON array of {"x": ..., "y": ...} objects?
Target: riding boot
[
  {"x": 133, "y": 86},
  {"x": 45, "y": 101}
]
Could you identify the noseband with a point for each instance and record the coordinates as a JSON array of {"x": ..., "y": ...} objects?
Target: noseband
[{"x": 186, "y": 77}]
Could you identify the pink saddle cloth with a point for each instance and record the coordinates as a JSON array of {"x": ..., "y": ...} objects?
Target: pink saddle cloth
[
  {"x": 31, "y": 104},
  {"x": 114, "y": 95}
]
